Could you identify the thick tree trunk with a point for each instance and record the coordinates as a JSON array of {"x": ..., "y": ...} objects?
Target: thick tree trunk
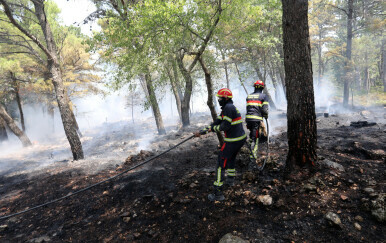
[
  {"x": 301, "y": 118},
  {"x": 14, "y": 128},
  {"x": 18, "y": 100},
  {"x": 209, "y": 86},
  {"x": 3, "y": 131},
  {"x": 76, "y": 123},
  {"x": 60, "y": 91},
  {"x": 347, "y": 66},
  {"x": 154, "y": 105}
]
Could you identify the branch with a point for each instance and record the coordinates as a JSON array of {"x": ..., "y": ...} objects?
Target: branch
[
  {"x": 207, "y": 38},
  {"x": 8, "y": 12},
  {"x": 344, "y": 10}
]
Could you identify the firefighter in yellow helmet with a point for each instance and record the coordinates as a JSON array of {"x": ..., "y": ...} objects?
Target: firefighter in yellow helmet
[{"x": 230, "y": 122}]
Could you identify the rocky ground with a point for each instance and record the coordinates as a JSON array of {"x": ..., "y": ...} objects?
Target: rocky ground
[{"x": 166, "y": 200}]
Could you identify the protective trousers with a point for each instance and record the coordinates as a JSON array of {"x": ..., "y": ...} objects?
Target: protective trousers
[
  {"x": 254, "y": 135},
  {"x": 226, "y": 161}
]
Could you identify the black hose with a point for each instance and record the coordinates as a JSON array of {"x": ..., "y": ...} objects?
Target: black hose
[{"x": 96, "y": 184}]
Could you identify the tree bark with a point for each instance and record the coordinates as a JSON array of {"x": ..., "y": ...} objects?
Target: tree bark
[
  {"x": 18, "y": 100},
  {"x": 14, "y": 128},
  {"x": 154, "y": 105},
  {"x": 301, "y": 118},
  {"x": 347, "y": 65},
  {"x": 209, "y": 86},
  {"x": 3, "y": 131}
]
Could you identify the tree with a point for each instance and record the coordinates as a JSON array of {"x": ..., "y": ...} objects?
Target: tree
[
  {"x": 3, "y": 131},
  {"x": 14, "y": 128},
  {"x": 209, "y": 85},
  {"x": 49, "y": 48},
  {"x": 301, "y": 118}
]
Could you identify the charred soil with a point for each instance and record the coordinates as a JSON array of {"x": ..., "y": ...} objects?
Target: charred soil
[{"x": 166, "y": 200}]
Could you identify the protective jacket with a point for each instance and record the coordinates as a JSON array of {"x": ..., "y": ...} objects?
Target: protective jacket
[
  {"x": 257, "y": 106},
  {"x": 230, "y": 122}
]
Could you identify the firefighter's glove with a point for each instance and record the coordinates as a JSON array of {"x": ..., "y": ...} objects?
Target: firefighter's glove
[{"x": 205, "y": 130}]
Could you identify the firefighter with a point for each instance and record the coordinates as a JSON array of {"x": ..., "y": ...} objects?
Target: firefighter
[
  {"x": 257, "y": 108},
  {"x": 230, "y": 122}
]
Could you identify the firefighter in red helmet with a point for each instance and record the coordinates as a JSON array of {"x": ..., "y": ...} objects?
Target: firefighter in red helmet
[
  {"x": 257, "y": 108},
  {"x": 230, "y": 122}
]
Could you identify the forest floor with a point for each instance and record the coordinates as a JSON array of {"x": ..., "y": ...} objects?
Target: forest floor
[{"x": 166, "y": 199}]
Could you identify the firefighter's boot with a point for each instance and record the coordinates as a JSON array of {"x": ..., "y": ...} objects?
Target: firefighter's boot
[{"x": 216, "y": 195}]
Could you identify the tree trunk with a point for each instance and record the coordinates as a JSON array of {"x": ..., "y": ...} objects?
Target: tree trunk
[
  {"x": 76, "y": 123},
  {"x": 174, "y": 82},
  {"x": 154, "y": 105},
  {"x": 18, "y": 100},
  {"x": 241, "y": 81},
  {"x": 347, "y": 66},
  {"x": 60, "y": 91},
  {"x": 185, "y": 104},
  {"x": 3, "y": 131},
  {"x": 301, "y": 118},
  {"x": 209, "y": 86},
  {"x": 225, "y": 68},
  {"x": 14, "y": 128}
]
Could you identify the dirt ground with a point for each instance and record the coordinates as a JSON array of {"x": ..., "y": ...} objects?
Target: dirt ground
[{"x": 166, "y": 200}]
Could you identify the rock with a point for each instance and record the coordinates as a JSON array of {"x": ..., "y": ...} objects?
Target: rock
[
  {"x": 3, "y": 227},
  {"x": 229, "y": 238},
  {"x": 193, "y": 185},
  {"x": 378, "y": 208},
  {"x": 343, "y": 197},
  {"x": 266, "y": 200},
  {"x": 125, "y": 214},
  {"x": 331, "y": 164},
  {"x": 369, "y": 190},
  {"x": 309, "y": 187},
  {"x": 365, "y": 113},
  {"x": 126, "y": 219},
  {"x": 358, "y": 218},
  {"x": 333, "y": 219},
  {"x": 357, "y": 226},
  {"x": 41, "y": 239}
]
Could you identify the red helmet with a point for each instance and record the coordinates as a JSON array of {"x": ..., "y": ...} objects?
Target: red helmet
[
  {"x": 259, "y": 84},
  {"x": 226, "y": 93}
]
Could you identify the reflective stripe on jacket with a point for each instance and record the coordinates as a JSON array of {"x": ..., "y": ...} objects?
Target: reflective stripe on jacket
[
  {"x": 257, "y": 106},
  {"x": 231, "y": 122}
]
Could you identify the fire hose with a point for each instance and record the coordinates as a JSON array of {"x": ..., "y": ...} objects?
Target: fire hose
[{"x": 98, "y": 183}]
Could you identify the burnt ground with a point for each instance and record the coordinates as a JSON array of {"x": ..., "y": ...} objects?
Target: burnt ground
[{"x": 166, "y": 200}]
